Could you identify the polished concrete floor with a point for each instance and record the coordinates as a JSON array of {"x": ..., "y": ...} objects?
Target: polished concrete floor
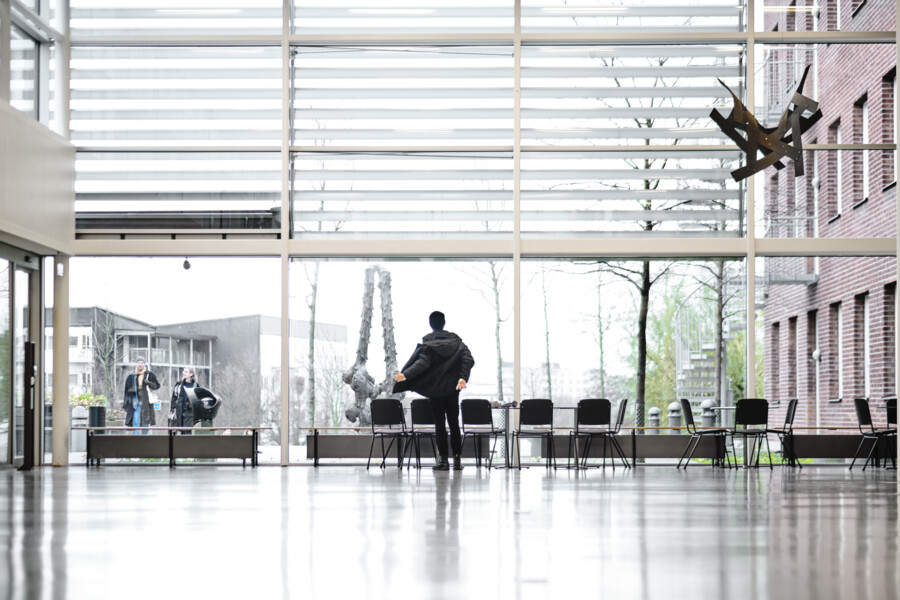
[{"x": 343, "y": 532}]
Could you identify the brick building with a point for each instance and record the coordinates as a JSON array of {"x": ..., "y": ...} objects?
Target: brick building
[{"x": 829, "y": 321}]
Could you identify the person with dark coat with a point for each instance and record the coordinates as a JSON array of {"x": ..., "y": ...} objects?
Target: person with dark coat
[
  {"x": 181, "y": 412},
  {"x": 138, "y": 412},
  {"x": 438, "y": 369}
]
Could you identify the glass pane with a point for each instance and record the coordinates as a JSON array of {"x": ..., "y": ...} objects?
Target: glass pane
[
  {"x": 176, "y": 97},
  {"x": 352, "y": 302},
  {"x": 646, "y": 16},
  {"x": 101, "y": 18},
  {"x": 403, "y": 16},
  {"x": 21, "y": 316},
  {"x": 6, "y": 366},
  {"x": 584, "y": 320},
  {"x": 829, "y": 336},
  {"x": 609, "y": 95},
  {"x": 397, "y": 96},
  {"x": 827, "y": 15},
  {"x": 672, "y": 194},
  {"x": 178, "y": 191},
  {"x": 23, "y": 75},
  {"x": 830, "y": 192},
  {"x": 232, "y": 344},
  {"x": 375, "y": 195}
]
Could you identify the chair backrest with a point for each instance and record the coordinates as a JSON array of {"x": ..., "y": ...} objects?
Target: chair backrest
[
  {"x": 592, "y": 411},
  {"x": 620, "y": 418},
  {"x": 537, "y": 411},
  {"x": 476, "y": 411},
  {"x": 751, "y": 411},
  {"x": 790, "y": 414},
  {"x": 420, "y": 412},
  {"x": 388, "y": 412},
  {"x": 687, "y": 414},
  {"x": 863, "y": 414},
  {"x": 891, "y": 405}
]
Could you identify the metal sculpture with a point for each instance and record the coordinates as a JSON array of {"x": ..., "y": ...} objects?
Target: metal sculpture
[
  {"x": 774, "y": 143},
  {"x": 357, "y": 377}
]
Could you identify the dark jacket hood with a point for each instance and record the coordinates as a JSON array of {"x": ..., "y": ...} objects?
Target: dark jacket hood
[{"x": 444, "y": 344}]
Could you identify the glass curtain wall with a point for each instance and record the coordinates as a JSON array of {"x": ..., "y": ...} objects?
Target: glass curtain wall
[{"x": 571, "y": 143}]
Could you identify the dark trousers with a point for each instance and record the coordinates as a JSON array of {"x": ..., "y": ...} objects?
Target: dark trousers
[{"x": 446, "y": 409}]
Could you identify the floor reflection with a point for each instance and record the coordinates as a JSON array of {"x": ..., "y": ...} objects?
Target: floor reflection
[{"x": 342, "y": 531}]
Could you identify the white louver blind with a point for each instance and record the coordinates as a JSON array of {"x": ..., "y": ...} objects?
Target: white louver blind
[
  {"x": 402, "y": 195},
  {"x": 23, "y": 72},
  {"x": 646, "y": 16},
  {"x": 403, "y": 96}
]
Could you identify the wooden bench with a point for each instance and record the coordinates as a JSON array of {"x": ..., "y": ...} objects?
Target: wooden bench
[{"x": 129, "y": 442}]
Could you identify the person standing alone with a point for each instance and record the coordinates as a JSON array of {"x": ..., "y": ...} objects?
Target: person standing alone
[
  {"x": 438, "y": 369},
  {"x": 138, "y": 412}
]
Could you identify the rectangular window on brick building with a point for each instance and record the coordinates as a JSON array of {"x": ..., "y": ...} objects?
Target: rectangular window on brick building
[
  {"x": 836, "y": 364},
  {"x": 861, "y": 184},
  {"x": 887, "y": 332},
  {"x": 888, "y": 125},
  {"x": 775, "y": 371},
  {"x": 835, "y": 178},
  {"x": 812, "y": 345},
  {"x": 862, "y": 346},
  {"x": 791, "y": 362}
]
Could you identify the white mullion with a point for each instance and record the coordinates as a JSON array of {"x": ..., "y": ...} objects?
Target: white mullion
[
  {"x": 517, "y": 207},
  {"x": 750, "y": 373},
  {"x": 63, "y": 73},
  {"x": 286, "y": 218},
  {"x": 32, "y": 23},
  {"x": 5, "y": 50}
]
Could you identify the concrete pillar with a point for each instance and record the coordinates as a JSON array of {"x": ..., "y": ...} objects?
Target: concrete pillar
[
  {"x": 675, "y": 416},
  {"x": 708, "y": 416},
  {"x": 653, "y": 420},
  {"x": 61, "y": 361}
]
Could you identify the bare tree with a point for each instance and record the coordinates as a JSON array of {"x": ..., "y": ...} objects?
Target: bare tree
[
  {"x": 489, "y": 284},
  {"x": 103, "y": 332}
]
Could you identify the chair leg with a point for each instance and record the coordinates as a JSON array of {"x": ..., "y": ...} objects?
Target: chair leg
[
  {"x": 874, "y": 451},
  {"x": 858, "y": 448},
  {"x": 618, "y": 448},
  {"x": 696, "y": 440},
  {"x": 683, "y": 454},
  {"x": 769, "y": 450},
  {"x": 371, "y": 448},
  {"x": 586, "y": 451}
]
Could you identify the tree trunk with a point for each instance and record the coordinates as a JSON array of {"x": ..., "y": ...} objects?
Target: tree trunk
[
  {"x": 720, "y": 334},
  {"x": 311, "y": 368},
  {"x": 642, "y": 345},
  {"x": 495, "y": 281}
]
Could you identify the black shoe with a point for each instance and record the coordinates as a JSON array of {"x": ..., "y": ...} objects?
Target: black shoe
[
  {"x": 441, "y": 465},
  {"x": 457, "y": 463}
]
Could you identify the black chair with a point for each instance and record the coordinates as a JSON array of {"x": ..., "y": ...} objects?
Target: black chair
[
  {"x": 538, "y": 414},
  {"x": 868, "y": 431},
  {"x": 421, "y": 426},
  {"x": 786, "y": 435},
  {"x": 591, "y": 420},
  {"x": 388, "y": 421},
  {"x": 610, "y": 435},
  {"x": 751, "y": 419},
  {"x": 478, "y": 424},
  {"x": 718, "y": 435},
  {"x": 890, "y": 405}
]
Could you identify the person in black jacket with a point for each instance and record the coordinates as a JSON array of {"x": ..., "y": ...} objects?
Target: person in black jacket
[
  {"x": 438, "y": 369},
  {"x": 136, "y": 401},
  {"x": 181, "y": 412}
]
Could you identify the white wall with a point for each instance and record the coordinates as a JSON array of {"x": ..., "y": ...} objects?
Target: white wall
[{"x": 37, "y": 185}]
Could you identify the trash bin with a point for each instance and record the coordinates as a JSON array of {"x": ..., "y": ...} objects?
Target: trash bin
[
  {"x": 97, "y": 417},
  {"x": 79, "y": 436}
]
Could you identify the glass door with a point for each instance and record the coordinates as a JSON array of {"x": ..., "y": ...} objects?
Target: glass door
[
  {"x": 6, "y": 346},
  {"x": 21, "y": 318}
]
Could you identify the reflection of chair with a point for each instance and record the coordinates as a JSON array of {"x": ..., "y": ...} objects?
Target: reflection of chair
[
  {"x": 421, "y": 426},
  {"x": 868, "y": 431},
  {"x": 387, "y": 422},
  {"x": 478, "y": 424},
  {"x": 718, "y": 436},
  {"x": 538, "y": 415},
  {"x": 750, "y": 412},
  {"x": 591, "y": 420},
  {"x": 786, "y": 435}
]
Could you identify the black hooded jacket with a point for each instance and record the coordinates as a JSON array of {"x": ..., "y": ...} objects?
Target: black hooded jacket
[{"x": 437, "y": 365}]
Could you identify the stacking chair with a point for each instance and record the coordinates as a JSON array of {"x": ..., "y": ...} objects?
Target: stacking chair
[
  {"x": 610, "y": 436},
  {"x": 478, "y": 424},
  {"x": 890, "y": 403},
  {"x": 786, "y": 435},
  {"x": 751, "y": 417},
  {"x": 533, "y": 414},
  {"x": 718, "y": 436},
  {"x": 388, "y": 421},
  {"x": 868, "y": 431},
  {"x": 591, "y": 420},
  {"x": 421, "y": 426}
]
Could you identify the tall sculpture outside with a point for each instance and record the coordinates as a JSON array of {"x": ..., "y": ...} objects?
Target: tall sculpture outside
[{"x": 357, "y": 377}]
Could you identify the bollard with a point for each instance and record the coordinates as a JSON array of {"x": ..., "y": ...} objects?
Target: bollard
[
  {"x": 79, "y": 437},
  {"x": 708, "y": 415},
  {"x": 653, "y": 420},
  {"x": 675, "y": 417}
]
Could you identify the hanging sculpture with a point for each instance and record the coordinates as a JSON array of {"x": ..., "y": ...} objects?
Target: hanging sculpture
[
  {"x": 774, "y": 143},
  {"x": 357, "y": 377}
]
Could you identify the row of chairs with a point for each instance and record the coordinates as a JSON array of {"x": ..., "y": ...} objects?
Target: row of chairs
[
  {"x": 535, "y": 421},
  {"x": 751, "y": 423}
]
